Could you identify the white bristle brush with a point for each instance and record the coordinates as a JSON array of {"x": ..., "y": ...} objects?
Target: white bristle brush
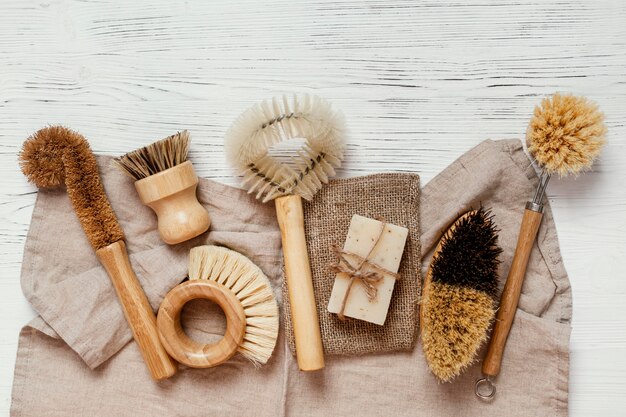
[
  {"x": 266, "y": 124},
  {"x": 247, "y": 146},
  {"x": 253, "y": 289},
  {"x": 245, "y": 295}
]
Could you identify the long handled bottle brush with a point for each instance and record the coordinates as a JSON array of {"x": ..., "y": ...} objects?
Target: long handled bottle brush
[
  {"x": 247, "y": 146},
  {"x": 564, "y": 137},
  {"x": 54, "y": 156}
]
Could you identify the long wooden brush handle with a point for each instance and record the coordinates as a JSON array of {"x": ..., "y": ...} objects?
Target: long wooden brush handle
[
  {"x": 306, "y": 327},
  {"x": 511, "y": 293},
  {"x": 137, "y": 310}
]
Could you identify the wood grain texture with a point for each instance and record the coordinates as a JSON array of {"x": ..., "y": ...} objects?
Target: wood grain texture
[
  {"x": 420, "y": 82},
  {"x": 182, "y": 347},
  {"x": 137, "y": 310},
  {"x": 511, "y": 292},
  {"x": 306, "y": 326},
  {"x": 172, "y": 196}
]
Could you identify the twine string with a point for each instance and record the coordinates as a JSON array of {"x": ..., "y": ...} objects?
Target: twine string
[{"x": 368, "y": 279}]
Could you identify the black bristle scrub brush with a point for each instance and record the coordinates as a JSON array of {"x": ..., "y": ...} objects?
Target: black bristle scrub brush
[{"x": 458, "y": 297}]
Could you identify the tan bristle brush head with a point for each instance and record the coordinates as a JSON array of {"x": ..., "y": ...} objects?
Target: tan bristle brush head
[
  {"x": 458, "y": 296},
  {"x": 566, "y": 134},
  {"x": 307, "y": 117},
  {"x": 156, "y": 157},
  {"x": 56, "y": 155}
]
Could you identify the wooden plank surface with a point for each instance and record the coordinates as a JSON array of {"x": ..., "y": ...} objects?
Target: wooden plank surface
[{"x": 420, "y": 83}]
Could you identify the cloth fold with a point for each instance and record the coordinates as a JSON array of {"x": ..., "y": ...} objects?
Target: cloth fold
[{"x": 81, "y": 325}]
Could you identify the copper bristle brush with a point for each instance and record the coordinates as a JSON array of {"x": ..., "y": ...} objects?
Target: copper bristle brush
[
  {"x": 564, "y": 137},
  {"x": 56, "y": 155}
]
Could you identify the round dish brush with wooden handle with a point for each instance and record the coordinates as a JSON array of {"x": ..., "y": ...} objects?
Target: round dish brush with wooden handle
[
  {"x": 245, "y": 295},
  {"x": 54, "y": 156},
  {"x": 166, "y": 182},
  {"x": 564, "y": 137},
  {"x": 247, "y": 146}
]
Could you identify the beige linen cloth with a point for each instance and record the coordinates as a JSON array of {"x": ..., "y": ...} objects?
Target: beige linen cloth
[{"x": 75, "y": 359}]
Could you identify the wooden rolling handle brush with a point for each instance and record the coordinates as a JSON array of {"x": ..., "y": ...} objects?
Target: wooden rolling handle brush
[
  {"x": 564, "y": 137},
  {"x": 56, "y": 155},
  {"x": 247, "y": 148},
  {"x": 166, "y": 182}
]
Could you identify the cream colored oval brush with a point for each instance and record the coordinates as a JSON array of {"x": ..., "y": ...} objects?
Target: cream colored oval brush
[
  {"x": 166, "y": 182},
  {"x": 56, "y": 156},
  {"x": 247, "y": 145},
  {"x": 564, "y": 137}
]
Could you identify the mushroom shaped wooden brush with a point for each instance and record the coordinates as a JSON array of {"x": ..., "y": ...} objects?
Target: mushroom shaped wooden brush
[
  {"x": 247, "y": 146},
  {"x": 564, "y": 137},
  {"x": 54, "y": 156},
  {"x": 166, "y": 182}
]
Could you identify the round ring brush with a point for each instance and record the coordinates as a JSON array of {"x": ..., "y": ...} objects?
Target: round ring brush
[
  {"x": 458, "y": 297},
  {"x": 564, "y": 137},
  {"x": 56, "y": 156},
  {"x": 245, "y": 294},
  {"x": 166, "y": 182},
  {"x": 247, "y": 147}
]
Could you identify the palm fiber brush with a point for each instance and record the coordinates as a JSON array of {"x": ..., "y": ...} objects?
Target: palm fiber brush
[
  {"x": 564, "y": 137},
  {"x": 247, "y": 146},
  {"x": 56, "y": 155},
  {"x": 166, "y": 182},
  {"x": 459, "y": 294}
]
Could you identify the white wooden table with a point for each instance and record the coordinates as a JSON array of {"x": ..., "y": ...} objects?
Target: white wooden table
[{"x": 420, "y": 82}]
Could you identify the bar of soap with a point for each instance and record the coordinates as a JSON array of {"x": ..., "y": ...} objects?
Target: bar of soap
[{"x": 362, "y": 236}]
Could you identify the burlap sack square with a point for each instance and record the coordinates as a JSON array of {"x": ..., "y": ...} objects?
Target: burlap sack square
[{"x": 395, "y": 197}]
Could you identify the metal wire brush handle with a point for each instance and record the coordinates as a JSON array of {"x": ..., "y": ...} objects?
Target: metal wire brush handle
[{"x": 512, "y": 289}]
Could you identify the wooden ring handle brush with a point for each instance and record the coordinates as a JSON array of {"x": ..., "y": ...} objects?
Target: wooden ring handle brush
[
  {"x": 183, "y": 348},
  {"x": 248, "y": 143},
  {"x": 54, "y": 156},
  {"x": 166, "y": 182},
  {"x": 564, "y": 137},
  {"x": 245, "y": 295}
]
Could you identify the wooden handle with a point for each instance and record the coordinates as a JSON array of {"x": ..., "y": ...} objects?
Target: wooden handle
[
  {"x": 511, "y": 292},
  {"x": 188, "y": 351},
  {"x": 306, "y": 327},
  {"x": 137, "y": 309},
  {"x": 172, "y": 196}
]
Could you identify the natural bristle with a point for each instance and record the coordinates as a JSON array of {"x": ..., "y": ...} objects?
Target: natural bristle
[
  {"x": 305, "y": 117},
  {"x": 469, "y": 255},
  {"x": 156, "y": 157},
  {"x": 458, "y": 298},
  {"x": 56, "y": 155},
  {"x": 41, "y": 158},
  {"x": 566, "y": 134},
  {"x": 252, "y": 288}
]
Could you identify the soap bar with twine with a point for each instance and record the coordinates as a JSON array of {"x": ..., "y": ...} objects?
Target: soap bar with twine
[{"x": 367, "y": 269}]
